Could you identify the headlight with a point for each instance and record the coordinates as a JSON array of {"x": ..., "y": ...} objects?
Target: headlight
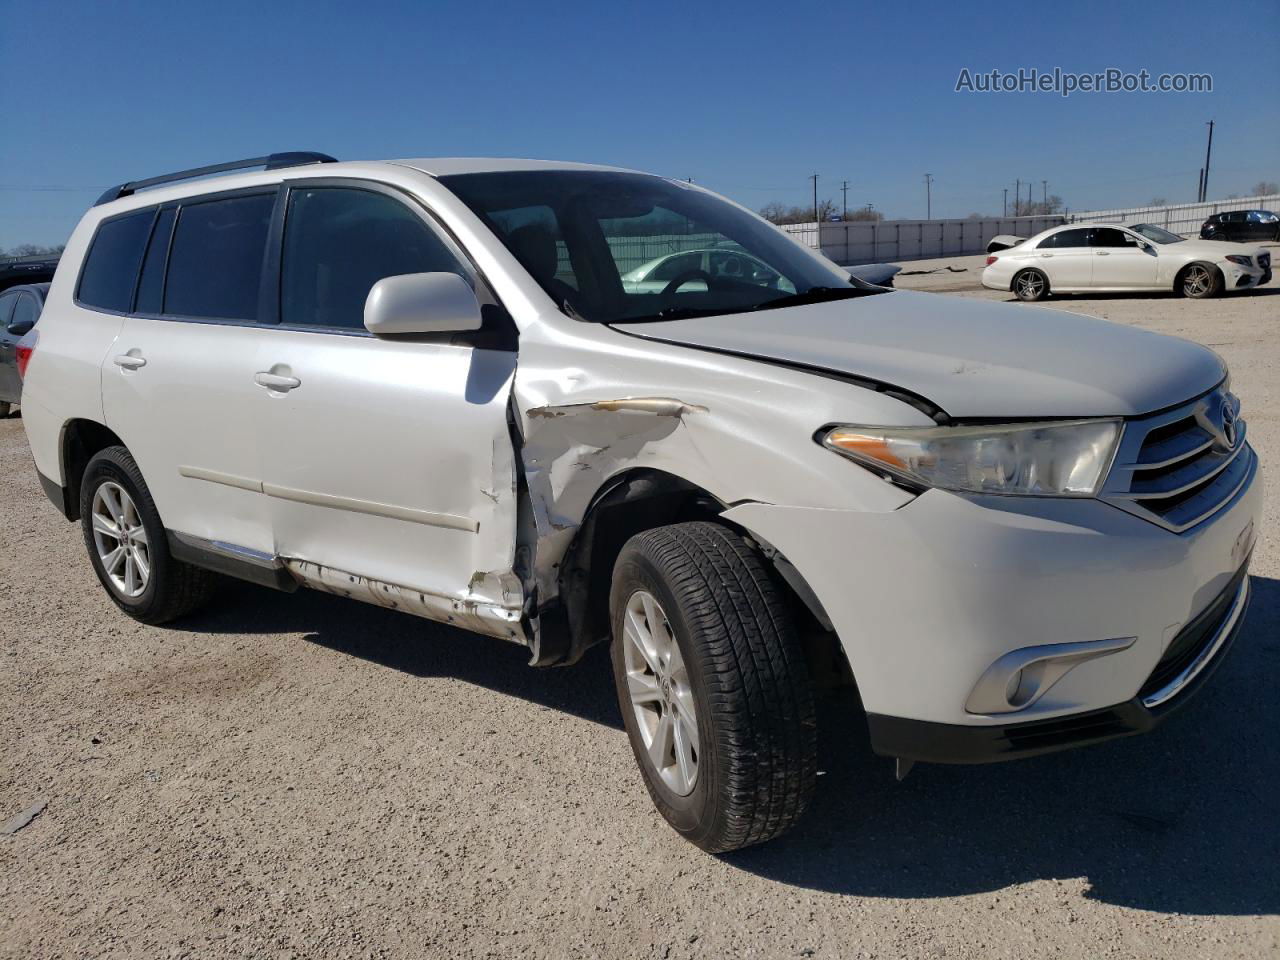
[
  {"x": 1237, "y": 258},
  {"x": 1058, "y": 459}
]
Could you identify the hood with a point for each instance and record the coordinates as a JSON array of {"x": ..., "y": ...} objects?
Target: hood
[
  {"x": 972, "y": 358},
  {"x": 1212, "y": 248}
]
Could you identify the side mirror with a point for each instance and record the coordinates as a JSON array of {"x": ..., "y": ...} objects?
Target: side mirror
[
  {"x": 421, "y": 303},
  {"x": 20, "y": 328}
]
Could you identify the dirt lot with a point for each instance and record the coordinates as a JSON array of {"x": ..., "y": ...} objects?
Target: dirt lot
[{"x": 300, "y": 776}]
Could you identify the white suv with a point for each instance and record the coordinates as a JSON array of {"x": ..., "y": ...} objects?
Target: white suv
[{"x": 425, "y": 385}]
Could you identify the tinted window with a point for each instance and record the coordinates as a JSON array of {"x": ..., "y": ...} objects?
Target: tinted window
[
  {"x": 339, "y": 242},
  {"x": 111, "y": 267},
  {"x": 215, "y": 264},
  {"x": 1065, "y": 238},
  {"x": 1110, "y": 237},
  {"x": 6, "y": 307},
  {"x": 151, "y": 286},
  {"x": 27, "y": 309}
]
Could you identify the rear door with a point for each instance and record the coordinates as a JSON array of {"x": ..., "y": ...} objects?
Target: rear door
[
  {"x": 1066, "y": 259},
  {"x": 384, "y": 458},
  {"x": 178, "y": 385},
  {"x": 1120, "y": 261}
]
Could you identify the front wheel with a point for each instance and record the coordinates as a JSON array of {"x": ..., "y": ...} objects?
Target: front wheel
[
  {"x": 1199, "y": 281},
  {"x": 713, "y": 686},
  {"x": 128, "y": 547}
]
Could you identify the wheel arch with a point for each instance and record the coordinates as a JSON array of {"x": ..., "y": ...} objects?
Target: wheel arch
[
  {"x": 631, "y": 502},
  {"x": 81, "y": 438}
]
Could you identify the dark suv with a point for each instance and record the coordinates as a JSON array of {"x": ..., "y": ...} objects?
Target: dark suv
[{"x": 1241, "y": 225}]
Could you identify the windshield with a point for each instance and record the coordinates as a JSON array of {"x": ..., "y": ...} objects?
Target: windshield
[
  {"x": 1156, "y": 234},
  {"x": 611, "y": 247}
]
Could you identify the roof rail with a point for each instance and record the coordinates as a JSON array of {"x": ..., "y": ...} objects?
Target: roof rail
[{"x": 274, "y": 161}]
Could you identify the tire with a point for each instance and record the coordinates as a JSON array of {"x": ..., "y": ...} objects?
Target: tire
[
  {"x": 4, "y": 409},
  {"x": 741, "y": 668},
  {"x": 1198, "y": 281},
  {"x": 1030, "y": 285},
  {"x": 170, "y": 588}
]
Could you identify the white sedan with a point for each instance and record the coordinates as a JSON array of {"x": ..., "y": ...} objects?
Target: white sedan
[{"x": 1108, "y": 257}]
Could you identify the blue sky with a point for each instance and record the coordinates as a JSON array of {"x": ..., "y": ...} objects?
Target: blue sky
[{"x": 748, "y": 98}]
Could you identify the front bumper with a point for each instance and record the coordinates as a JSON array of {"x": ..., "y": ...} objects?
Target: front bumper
[
  {"x": 1210, "y": 636},
  {"x": 925, "y": 599}
]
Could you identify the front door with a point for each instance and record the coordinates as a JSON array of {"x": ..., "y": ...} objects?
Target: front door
[
  {"x": 10, "y": 386},
  {"x": 388, "y": 464},
  {"x": 1120, "y": 261}
]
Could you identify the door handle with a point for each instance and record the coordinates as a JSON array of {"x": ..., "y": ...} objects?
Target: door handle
[
  {"x": 276, "y": 381},
  {"x": 1046, "y": 255},
  {"x": 1101, "y": 253},
  {"x": 129, "y": 361}
]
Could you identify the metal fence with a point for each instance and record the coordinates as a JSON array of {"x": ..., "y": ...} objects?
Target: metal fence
[
  {"x": 869, "y": 241},
  {"x": 1183, "y": 218}
]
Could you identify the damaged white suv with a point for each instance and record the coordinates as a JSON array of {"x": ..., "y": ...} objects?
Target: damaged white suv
[{"x": 425, "y": 385}]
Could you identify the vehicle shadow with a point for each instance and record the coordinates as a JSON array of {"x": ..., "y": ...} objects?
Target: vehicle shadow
[
  {"x": 416, "y": 646},
  {"x": 1181, "y": 820}
]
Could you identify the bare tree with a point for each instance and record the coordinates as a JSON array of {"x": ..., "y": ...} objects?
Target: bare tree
[
  {"x": 1265, "y": 187},
  {"x": 1157, "y": 202}
]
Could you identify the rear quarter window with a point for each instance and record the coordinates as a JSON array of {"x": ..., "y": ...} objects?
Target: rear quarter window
[{"x": 111, "y": 267}]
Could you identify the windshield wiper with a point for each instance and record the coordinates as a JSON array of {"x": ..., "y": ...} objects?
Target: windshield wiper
[
  {"x": 813, "y": 295},
  {"x": 678, "y": 313}
]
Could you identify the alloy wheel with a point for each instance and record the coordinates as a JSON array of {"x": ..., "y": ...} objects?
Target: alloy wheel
[
  {"x": 1197, "y": 282},
  {"x": 660, "y": 693},
  {"x": 1030, "y": 286},
  {"x": 121, "y": 540}
]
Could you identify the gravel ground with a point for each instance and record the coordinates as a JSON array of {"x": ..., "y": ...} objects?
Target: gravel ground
[{"x": 301, "y": 776}]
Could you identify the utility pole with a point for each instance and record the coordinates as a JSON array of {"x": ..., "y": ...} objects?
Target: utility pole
[
  {"x": 844, "y": 202},
  {"x": 1200, "y": 186},
  {"x": 1017, "y": 197},
  {"x": 1004, "y": 203},
  {"x": 1045, "y": 185},
  {"x": 814, "y": 178},
  {"x": 1204, "y": 182},
  {"x": 928, "y": 196}
]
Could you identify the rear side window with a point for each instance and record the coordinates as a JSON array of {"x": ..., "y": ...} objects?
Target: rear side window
[
  {"x": 110, "y": 269},
  {"x": 215, "y": 262},
  {"x": 339, "y": 242},
  {"x": 1065, "y": 238}
]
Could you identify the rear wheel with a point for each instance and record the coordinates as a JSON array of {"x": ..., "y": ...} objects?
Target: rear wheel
[
  {"x": 1031, "y": 285},
  {"x": 713, "y": 686},
  {"x": 1199, "y": 281},
  {"x": 128, "y": 547}
]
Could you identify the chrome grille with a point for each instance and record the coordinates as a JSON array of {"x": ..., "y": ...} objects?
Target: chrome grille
[{"x": 1179, "y": 467}]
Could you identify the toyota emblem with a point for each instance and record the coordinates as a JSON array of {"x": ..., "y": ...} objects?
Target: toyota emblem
[{"x": 1229, "y": 423}]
